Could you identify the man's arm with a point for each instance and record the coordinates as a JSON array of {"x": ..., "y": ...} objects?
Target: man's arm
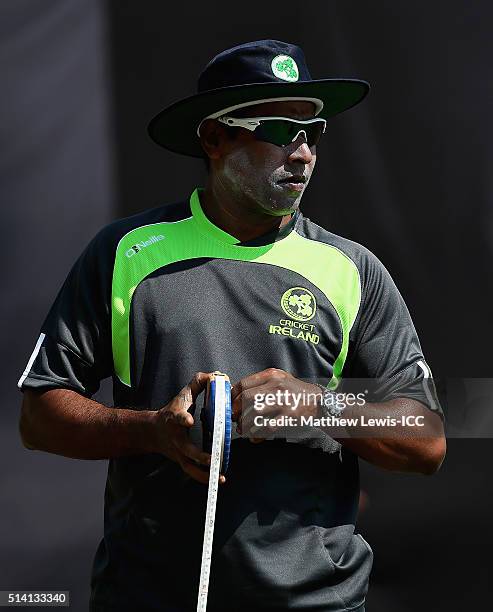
[
  {"x": 64, "y": 422},
  {"x": 415, "y": 449},
  {"x": 402, "y": 449},
  {"x": 73, "y": 354}
]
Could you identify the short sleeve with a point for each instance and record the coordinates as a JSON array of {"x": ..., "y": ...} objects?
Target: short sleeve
[
  {"x": 384, "y": 345},
  {"x": 73, "y": 350}
]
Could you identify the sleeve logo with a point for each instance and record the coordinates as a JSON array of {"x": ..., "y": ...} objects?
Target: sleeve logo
[{"x": 137, "y": 247}]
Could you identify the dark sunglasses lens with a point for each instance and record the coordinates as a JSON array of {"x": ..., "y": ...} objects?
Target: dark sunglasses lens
[
  {"x": 276, "y": 132},
  {"x": 315, "y": 132},
  {"x": 281, "y": 132}
]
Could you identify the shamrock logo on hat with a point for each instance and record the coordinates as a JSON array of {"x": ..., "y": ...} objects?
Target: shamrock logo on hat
[{"x": 284, "y": 67}]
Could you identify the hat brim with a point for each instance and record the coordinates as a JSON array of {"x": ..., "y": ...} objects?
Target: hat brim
[{"x": 175, "y": 127}]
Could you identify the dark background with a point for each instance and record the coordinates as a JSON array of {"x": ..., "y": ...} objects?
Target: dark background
[{"x": 406, "y": 173}]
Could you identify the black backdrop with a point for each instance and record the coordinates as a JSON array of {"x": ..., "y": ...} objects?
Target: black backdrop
[{"x": 405, "y": 173}]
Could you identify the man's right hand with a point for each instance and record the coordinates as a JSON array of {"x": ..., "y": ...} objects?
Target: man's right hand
[
  {"x": 173, "y": 423},
  {"x": 64, "y": 422}
]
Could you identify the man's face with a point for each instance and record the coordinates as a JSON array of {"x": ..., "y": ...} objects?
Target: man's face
[{"x": 258, "y": 170}]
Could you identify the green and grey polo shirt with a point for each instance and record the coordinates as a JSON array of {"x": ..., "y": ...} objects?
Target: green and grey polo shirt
[{"x": 163, "y": 294}]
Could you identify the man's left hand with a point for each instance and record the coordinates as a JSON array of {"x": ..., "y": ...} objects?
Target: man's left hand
[{"x": 271, "y": 393}]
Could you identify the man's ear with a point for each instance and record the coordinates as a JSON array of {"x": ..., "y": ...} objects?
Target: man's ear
[{"x": 212, "y": 138}]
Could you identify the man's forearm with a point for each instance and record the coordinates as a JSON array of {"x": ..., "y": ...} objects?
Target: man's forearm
[
  {"x": 66, "y": 423},
  {"x": 400, "y": 448}
]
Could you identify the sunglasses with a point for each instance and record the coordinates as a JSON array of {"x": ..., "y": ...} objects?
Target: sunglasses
[{"x": 280, "y": 131}]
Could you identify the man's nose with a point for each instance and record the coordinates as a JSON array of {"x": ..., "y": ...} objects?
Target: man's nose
[{"x": 301, "y": 150}]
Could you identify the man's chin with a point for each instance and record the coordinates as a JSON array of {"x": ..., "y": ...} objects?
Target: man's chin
[{"x": 286, "y": 205}]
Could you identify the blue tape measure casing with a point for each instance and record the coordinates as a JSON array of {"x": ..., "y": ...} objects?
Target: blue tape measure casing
[{"x": 207, "y": 418}]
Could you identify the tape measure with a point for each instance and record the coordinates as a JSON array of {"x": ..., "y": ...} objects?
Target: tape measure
[{"x": 216, "y": 428}]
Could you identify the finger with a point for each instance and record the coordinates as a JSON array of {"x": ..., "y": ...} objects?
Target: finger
[
  {"x": 198, "y": 384},
  {"x": 181, "y": 417},
  {"x": 192, "y": 452},
  {"x": 243, "y": 402},
  {"x": 186, "y": 397},
  {"x": 263, "y": 429},
  {"x": 253, "y": 380},
  {"x": 194, "y": 471},
  {"x": 195, "y": 386},
  {"x": 197, "y": 473},
  {"x": 247, "y": 402}
]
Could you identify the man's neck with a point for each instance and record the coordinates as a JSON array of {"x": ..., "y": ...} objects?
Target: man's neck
[{"x": 236, "y": 218}]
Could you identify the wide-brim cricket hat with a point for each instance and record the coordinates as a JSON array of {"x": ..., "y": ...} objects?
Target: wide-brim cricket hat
[{"x": 251, "y": 73}]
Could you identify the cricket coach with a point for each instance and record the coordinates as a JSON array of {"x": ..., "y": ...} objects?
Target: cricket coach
[{"x": 233, "y": 278}]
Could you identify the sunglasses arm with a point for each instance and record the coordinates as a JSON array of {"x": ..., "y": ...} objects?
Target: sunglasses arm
[{"x": 248, "y": 124}]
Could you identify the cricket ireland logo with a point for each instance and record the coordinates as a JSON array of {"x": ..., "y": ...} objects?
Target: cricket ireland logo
[
  {"x": 285, "y": 68},
  {"x": 299, "y": 304}
]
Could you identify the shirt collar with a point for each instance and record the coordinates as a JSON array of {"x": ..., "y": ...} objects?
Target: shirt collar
[{"x": 208, "y": 227}]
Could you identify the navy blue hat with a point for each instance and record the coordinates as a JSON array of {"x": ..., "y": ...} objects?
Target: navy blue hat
[{"x": 255, "y": 72}]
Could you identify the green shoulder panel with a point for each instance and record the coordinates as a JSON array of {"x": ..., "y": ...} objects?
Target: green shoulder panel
[
  {"x": 148, "y": 248},
  {"x": 329, "y": 269}
]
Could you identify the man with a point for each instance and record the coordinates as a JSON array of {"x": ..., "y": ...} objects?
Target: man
[{"x": 234, "y": 279}]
